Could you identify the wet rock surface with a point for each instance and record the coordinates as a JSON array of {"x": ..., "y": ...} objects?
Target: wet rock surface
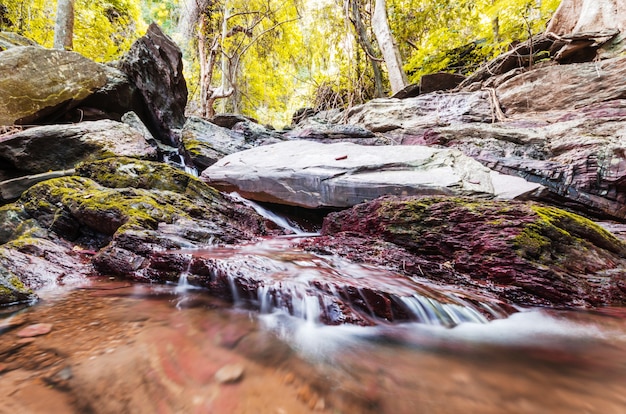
[
  {"x": 123, "y": 209},
  {"x": 526, "y": 254}
]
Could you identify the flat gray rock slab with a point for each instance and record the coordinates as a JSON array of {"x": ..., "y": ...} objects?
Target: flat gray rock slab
[{"x": 313, "y": 175}]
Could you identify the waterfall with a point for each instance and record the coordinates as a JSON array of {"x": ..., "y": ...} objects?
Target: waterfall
[{"x": 270, "y": 215}]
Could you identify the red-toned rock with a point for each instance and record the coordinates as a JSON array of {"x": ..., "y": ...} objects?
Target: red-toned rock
[
  {"x": 37, "y": 329},
  {"x": 526, "y": 254}
]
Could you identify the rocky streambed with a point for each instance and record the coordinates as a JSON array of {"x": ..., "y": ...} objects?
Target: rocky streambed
[{"x": 452, "y": 229}]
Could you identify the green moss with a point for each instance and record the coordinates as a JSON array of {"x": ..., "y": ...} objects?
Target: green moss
[
  {"x": 413, "y": 216},
  {"x": 119, "y": 192},
  {"x": 12, "y": 290},
  {"x": 195, "y": 147},
  {"x": 557, "y": 234}
]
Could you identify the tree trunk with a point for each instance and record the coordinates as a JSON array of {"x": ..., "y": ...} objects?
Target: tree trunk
[
  {"x": 573, "y": 16},
  {"x": 353, "y": 14},
  {"x": 388, "y": 47},
  {"x": 64, "y": 25}
]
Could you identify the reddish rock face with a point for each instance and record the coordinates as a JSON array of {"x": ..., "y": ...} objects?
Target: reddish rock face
[{"x": 524, "y": 253}]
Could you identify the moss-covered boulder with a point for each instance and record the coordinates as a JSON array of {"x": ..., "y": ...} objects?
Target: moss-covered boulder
[
  {"x": 527, "y": 254},
  {"x": 113, "y": 217}
]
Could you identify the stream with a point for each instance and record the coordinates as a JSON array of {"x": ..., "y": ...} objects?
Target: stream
[{"x": 120, "y": 347}]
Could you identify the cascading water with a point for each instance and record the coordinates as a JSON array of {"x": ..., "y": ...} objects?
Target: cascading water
[
  {"x": 270, "y": 215},
  {"x": 271, "y": 276}
]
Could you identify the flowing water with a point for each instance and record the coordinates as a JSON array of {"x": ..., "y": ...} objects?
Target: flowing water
[{"x": 120, "y": 347}]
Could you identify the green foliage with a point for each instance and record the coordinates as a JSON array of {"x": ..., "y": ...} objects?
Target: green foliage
[
  {"x": 292, "y": 54},
  {"x": 164, "y": 13},
  {"x": 103, "y": 29},
  {"x": 457, "y": 36}
]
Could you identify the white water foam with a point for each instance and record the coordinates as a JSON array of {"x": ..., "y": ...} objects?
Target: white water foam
[{"x": 270, "y": 215}]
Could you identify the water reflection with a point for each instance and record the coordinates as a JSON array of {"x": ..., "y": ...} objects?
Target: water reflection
[{"x": 165, "y": 344}]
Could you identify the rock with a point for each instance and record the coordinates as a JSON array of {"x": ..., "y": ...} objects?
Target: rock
[
  {"x": 133, "y": 120},
  {"x": 229, "y": 374},
  {"x": 579, "y": 85},
  {"x": 410, "y": 91},
  {"x": 44, "y": 261},
  {"x": 425, "y": 111},
  {"x": 154, "y": 64},
  {"x": 57, "y": 147},
  {"x": 37, "y": 329},
  {"x": 32, "y": 154},
  {"x": 256, "y": 134},
  {"x": 334, "y": 133},
  {"x": 13, "y": 188},
  {"x": 12, "y": 290},
  {"x": 124, "y": 209},
  {"x": 49, "y": 83},
  {"x": 206, "y": 142},
  {"x": 525, "y": 254},
  {"x": 439, "y": 82},
  {"x": 314, "y": 175},
  {"x": 577, "y": 156},
  {"x": 280, "y": 278},
  {"x": 9, "y": 40},
  {"x": 229, "y": 120}
]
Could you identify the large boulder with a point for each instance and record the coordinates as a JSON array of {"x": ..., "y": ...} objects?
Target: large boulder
[
  {"x": 313, "y": 175},
  {"x": 154, "y": 64},
  {"x": 32, "y": 155},
  {"x": 37, "y": 82},
  {"x": 206, "y": 142},
  {"x": 526, "y": 254}
]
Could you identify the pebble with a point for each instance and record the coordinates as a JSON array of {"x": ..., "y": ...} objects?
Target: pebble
[
  {"x": 229, "y": 374},
  {"x": 35, "y": 330}
]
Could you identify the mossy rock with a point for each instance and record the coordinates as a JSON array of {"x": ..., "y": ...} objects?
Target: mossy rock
[
  {"x": 123, "y": 172},
  {"x": 528, "y": 253},
  {"x": 12, "y": 290}
]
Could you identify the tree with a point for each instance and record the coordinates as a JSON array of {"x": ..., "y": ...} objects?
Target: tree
[
  {"x": 353, "y": 14},
  {"x": 225, "y": 33},
  {"x": 388, "y": 47},
  {"x": 64, "y": 26}
]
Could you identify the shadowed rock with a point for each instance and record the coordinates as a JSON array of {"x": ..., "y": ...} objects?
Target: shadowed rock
[
  {"x": 26, "y": 155},
  {"x": 37, "y": 82},
  {"x": 154, "y": 64}
]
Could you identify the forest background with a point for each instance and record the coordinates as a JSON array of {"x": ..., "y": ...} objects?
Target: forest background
[{"x": 267, "y": 58}]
